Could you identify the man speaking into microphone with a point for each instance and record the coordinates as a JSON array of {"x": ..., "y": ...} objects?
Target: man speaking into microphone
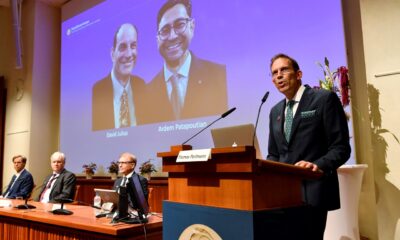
[{"x": 308, "y": 128}]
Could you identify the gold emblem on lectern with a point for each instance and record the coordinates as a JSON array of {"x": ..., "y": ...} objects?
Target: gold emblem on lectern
[{"x": 199, "y": 232}]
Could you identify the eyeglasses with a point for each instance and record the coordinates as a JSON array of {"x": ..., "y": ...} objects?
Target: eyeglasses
[
  {"x": 124, "y": 162},
  {"x": 179, "y": 26},
  {"x": 283, "y": 71}
]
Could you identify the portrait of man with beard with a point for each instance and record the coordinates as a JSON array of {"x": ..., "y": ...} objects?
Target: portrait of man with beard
[
  {"x": 187, "y": 86},
  {"x": 117, "y": 98}
]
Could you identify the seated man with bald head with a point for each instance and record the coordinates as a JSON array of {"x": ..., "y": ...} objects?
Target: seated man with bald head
[
  {"x": 127, "y": 163},
  {"x": 60, "y": 184}
]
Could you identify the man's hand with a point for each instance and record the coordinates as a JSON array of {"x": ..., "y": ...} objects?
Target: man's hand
[{"x": 309, "y": 165}]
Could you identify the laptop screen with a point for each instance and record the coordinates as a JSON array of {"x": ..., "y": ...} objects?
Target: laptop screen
[
  {"x": 108, "y": 195},
  {"x": 239, "y": 135}
]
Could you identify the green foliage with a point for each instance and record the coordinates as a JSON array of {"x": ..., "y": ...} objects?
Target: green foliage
[
  {"x": 89, "y": 168},
  {"x": 147, "y": 167}
]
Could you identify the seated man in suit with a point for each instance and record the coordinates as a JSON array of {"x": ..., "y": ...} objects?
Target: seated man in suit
[
  {"x": 60, "y": 184},
  {"x": 187, "y": 86},
  {"x": 21, "y": 184},
  {"x": 127, "y": 163}
]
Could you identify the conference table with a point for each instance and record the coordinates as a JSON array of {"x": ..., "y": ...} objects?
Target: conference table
[{"x": 40, "y": 223}]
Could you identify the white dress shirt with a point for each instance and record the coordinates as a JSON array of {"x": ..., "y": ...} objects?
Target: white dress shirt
[{"x": 183, "y": 76}]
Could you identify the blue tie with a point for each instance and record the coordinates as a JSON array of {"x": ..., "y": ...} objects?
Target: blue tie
[{"x": 289, "y": 119}]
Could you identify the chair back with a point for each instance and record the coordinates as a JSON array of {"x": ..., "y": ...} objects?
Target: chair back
[
  {"x": 76, "y": 192},
  {"x": 29, "y": 197}
]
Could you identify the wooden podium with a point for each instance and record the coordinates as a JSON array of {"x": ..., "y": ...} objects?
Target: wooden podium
[{"x": 232, "y": 180}]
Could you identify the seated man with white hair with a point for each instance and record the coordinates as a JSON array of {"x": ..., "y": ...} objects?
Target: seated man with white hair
[{"x": 60, "y": 184}]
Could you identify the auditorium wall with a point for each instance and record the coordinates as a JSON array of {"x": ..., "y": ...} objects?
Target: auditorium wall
[
  {"x": 377, "y": 54},
  {"x": 32, "y": 122}
]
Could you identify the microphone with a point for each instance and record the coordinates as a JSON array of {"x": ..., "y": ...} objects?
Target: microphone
[
  {"x": 62, "y": 211},
  {"x": 258, "y": 114},
  {"x": 26, "y": 205},
  {"x": 265, "y": 97},
  {"x": 228, "y": 112},
  {"x": 222, "y": 116}
]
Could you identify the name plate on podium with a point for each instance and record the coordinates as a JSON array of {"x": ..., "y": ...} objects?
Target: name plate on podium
[{"x": 198, "y": 155}]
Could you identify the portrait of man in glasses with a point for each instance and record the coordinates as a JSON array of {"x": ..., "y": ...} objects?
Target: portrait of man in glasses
[
  {"x": 116, "y": 98},
  {"x": 187, "y": 86}
]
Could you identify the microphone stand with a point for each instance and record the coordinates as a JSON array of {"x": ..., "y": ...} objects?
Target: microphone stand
[
  {"x": 222, "y": 116},
  {"x": 25, "y": 206},
  {"x": 62, "y": 211},
  {"x": 258, "y": 114},
  {"x": 201, "y": 131}
]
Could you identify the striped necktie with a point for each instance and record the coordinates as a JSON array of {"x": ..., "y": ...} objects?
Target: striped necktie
[
  {"x": 48, "y": 186},
  {"x": 124, "y": 118}
]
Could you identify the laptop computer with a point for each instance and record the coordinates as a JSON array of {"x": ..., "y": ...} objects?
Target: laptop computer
[
  {"x": 239, "y": 135},
  {"x": 108, "y": 196}
]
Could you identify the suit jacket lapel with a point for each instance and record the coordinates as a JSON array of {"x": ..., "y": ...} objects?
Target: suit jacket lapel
[
  {"x": 11, "y": 182},
  {"x": 279, "y": 120},
  {"x": 164, "y": 107},
  {"x": 57, "y": 181},
  {"x": 192, "y": 82},
  {"x": 109, "y": 103},
  {"x": 303, "y": 104},
  {"x": 282, "y": 120}
]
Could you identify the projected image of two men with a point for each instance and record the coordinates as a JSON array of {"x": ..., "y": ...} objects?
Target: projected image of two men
[
  {"x": 180, "y": 90},
  {"x": 141, "y": 76}
]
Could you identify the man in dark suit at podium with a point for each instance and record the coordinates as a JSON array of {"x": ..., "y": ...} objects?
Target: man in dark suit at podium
[
  {"x": 308, "y": 129},
  {"x": 60, "y": 184},
  {"x": 127, "y": 163},
  {"x": 187, "y": 86},
  {"x": 21, "y": 184}
]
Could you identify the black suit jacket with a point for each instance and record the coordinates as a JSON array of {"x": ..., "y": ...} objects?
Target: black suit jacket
[
  {"x": 206, "y": 93},
  {"x": 320, "y": 135},
  {"x": 143, "y": 182},
  {"x": 22, "y": 187},
  {"x": 64, "y": 187},
  {"x": 103, "y": 105}
]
